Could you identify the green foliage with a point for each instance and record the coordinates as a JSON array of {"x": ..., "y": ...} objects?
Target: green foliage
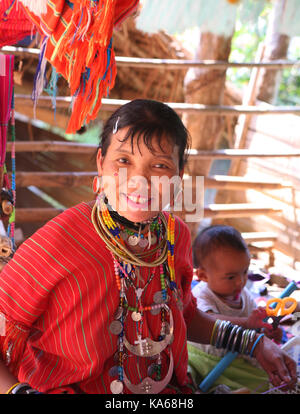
[
  {"x": 247, "y": 37},
  {"x": 289, "y": 88}
]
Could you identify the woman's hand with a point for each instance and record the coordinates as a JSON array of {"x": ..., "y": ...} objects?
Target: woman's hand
[{"x": 279, "y": 366}]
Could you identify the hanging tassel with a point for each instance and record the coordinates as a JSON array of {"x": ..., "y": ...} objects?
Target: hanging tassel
[
  {"x": 39, "y": 78},
  {"x": 38, "y": 7},
  {"x": 90, "y": 70},
  {"x": 12, "y": 218},
  {"x": 51, "y": 88}
]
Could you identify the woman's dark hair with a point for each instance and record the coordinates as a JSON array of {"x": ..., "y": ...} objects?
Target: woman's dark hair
[
  {"x": 214, "y": 237},
  {"x": 147, "y": 119}
]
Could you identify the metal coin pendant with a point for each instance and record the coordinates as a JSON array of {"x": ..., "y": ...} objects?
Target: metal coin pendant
[
  {"x": 155, "y": 310},
  {"x": 136, "y": 316},
  {"x": 153, "y": 239},
  {"x": 158, "y": 297},
  {"x": 143, "y": 243},
  {"x": 116, "y": 387},
  {"x": 133, "y": 240},
  {"x": 116, "y": 327}
]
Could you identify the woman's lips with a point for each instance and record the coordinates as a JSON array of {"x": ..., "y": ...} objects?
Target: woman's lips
[{"x": 137, "y": 202}]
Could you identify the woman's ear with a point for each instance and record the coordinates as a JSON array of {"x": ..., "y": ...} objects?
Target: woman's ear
[{"x": 99, "y": 162}]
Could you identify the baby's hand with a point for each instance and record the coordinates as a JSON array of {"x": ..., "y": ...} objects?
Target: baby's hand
[{"x": 256, "y": 320}]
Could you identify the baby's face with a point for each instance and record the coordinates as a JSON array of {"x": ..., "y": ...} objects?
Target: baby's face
[{"x": 226, "y": 271}]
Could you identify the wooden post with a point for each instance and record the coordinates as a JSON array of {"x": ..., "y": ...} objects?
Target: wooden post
[
  {"x": 276, "y": 47},
  {"x": 206, "y": 87}
]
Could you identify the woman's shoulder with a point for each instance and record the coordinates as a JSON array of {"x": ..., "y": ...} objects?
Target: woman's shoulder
[
  {"x": 73, "y": 217},
  {"x": 69, "y": 225}
]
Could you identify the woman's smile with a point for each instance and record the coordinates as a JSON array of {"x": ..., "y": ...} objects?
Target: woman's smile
[{"x": 137, "y": 202}]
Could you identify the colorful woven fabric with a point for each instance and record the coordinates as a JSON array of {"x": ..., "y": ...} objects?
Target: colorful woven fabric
[
  {"x": 79, "y": 47},
  {"x": 14, "y": 23},
  {"x": 6, "y": 93},
  {"x": 59, "y": 295}
]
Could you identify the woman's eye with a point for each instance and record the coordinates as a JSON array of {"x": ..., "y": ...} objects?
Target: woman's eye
[
  {"x": 122, "y": 160},
  {"x": 160, "y": 166}
]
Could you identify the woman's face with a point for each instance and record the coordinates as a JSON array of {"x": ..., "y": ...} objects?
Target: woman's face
[{"x": 137, "y": 181}]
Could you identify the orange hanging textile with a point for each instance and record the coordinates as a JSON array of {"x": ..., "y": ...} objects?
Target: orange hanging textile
[{"x": 79, "y": 47}]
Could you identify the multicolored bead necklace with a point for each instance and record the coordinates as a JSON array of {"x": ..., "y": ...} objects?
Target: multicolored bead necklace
[{"x": 126, "y": 265}]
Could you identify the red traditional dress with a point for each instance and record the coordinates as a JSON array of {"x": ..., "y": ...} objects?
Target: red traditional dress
[{"x": 59, "y": 297}]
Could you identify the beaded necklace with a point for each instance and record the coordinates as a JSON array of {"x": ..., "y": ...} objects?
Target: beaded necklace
[
  {"x": 111, "y": 235},
  {"x": 126, "y": 266}
]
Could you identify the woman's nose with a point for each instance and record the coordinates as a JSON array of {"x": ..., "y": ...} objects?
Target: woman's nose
[{"x": 139, "y": 182}]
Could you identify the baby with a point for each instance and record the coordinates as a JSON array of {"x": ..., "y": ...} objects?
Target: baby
[{"x": 221, "y": 258}]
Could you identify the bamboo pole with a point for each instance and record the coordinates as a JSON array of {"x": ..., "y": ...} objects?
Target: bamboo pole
[
  {"x": 240, "y": 153},
  {"x": 242, "y": 183},
  {"x": 30, "y": 215},
  {"x": 52, "y": 146},
  {"x": 80, "y": 148},
  {"x": 113, "y": 104},
  {"x": 251, "y": 237},
  {"x": 76, "y": 179},
  {"x": 54, "y": 179},
  {"x": 238, "y": 210},
  {"x": 155, "y": 63}
]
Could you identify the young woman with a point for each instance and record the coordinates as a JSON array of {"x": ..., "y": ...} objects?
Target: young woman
[{"x": 99, "y": 300}]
